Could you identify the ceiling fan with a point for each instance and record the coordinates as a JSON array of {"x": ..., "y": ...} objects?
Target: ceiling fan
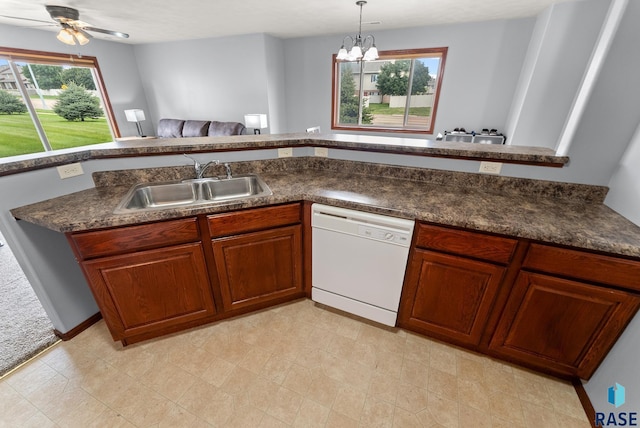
[{"x": 72, "y": 30}]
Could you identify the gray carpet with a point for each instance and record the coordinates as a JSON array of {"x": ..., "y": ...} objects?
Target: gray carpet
[{"x": 25, "y": 328}]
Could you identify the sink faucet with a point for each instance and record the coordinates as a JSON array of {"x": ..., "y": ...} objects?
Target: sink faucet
[
  {"x": 200, "y": 168},
  {"x": 227, "y": 169}
]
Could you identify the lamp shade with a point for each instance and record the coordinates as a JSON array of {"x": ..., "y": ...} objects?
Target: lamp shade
[
  {"x": 342, "y": 54},
  {"x": 355, "y": 53},
  {"x": 371, "y": 54},
  {"x": 82, "y": 36},
  {"x": 255, "y": 121},
  {"x": 134, "y": 115},
  {"x": 66, "y": 36}
]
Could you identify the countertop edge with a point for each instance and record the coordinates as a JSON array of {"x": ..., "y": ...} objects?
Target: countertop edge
[
  {"x": 394, "y": 145},
  {"x": 605, "y": 231}
]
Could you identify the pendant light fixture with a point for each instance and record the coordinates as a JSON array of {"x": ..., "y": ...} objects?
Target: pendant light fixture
[
  {"x": 71, "y": 36},
  {"x": 361, "y": 49}
]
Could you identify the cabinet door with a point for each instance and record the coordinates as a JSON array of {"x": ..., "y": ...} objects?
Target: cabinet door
[
  {"x": 559, "y": 325},
  {"x": 259, "y": 267},
  {"x": 150, "y": 290},
  {"x": 448, "y": 297}
]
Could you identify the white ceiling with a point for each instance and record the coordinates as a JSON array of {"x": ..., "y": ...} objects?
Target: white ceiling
[{"x": 149, "y": 21}]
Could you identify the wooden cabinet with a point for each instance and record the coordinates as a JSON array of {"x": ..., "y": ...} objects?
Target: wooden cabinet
[
  {"x": 450, "y": 296},
  {"x": 156, "y": 278},
  {"x": 554, "y": 309},
  {"x": 555, "y": 320},
  {"x": 260, "y": 263},
  {"x": 259, "y": 267},
  {"x": 147, "y": 279},
  {"x": 151, "y": 291}
]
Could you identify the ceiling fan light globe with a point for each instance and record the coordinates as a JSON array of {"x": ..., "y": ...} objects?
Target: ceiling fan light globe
[
  {"x": 66, "y": 36},
  {"x": 81, "y": 37}
]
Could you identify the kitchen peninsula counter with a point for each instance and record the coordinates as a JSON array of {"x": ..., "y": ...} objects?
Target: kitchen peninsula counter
[
  {"x": 552, "y": 212},
  {"x": 540, "y": 156}
]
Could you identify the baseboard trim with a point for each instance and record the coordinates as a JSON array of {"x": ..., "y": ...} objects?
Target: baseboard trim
[
  {"x": 584, "y": 400},
  {"x": 79, "y": 328}
]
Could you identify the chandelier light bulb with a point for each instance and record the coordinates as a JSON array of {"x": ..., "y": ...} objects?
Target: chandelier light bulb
[{"x": 361, "y": 48}]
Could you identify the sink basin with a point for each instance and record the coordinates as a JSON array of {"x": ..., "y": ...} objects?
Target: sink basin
[
  {"x": 239, "y": 187},
  {"x": 161, "y": 195},
  {"x": 151, "y": 196}
]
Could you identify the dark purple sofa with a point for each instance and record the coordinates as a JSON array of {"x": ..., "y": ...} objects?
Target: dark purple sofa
[{"x": 177, "y": 128}]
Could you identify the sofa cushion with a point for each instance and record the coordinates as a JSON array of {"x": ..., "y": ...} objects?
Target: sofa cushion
[
  {"x": 195, "y": 128},
  {"x": 225, "y": 128},
  {"x": 170, "y": 128}
]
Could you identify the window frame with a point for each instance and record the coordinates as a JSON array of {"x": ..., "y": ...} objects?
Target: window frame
[
  {"x": 55, "y": 58},
  {"x": 391, "y": 54}
]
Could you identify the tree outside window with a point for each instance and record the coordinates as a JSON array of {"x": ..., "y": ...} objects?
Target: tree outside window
[
  {"x": 51, "y": 101},
  {"x": 380, "y": 90}
]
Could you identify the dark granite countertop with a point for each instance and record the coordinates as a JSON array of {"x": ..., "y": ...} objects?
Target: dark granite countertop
[
  {"x": 162, "y": 146},
  {"x": 559, "y": 213}
]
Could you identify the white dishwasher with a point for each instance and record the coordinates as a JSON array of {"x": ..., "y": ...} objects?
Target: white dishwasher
[{"x": 358, "y": 261}]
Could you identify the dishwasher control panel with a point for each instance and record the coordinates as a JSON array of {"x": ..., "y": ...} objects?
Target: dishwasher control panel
[{"x": 380, "y": 234}]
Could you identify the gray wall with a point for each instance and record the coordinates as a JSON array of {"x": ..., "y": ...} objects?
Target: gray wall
[
  {"x": 482, "y": 68},
  {"x": 276, "y": 85},
  {"x": 208, "y": 79},
  {"x": 557, "y": 58},
  {"x": 116, "y": 60},
  {"x": 621, "y": 365},
  {"x": 45, "y": 256}
]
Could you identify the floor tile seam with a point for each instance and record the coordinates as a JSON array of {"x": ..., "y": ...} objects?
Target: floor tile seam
[
  {"x": 520, "y": 411},
  {"x": 321, "y": 404},
  {"x": 435, "y": 416},
  {"x": 578, "y": 409},
  {"x": 414, "y": 414},
  {"x": 555, "y": 415},
  {"x": 522, "y": 397},
  {"x": 157, "y": 391},
  {"x": 76, "y": 406},
  {"x": 349, "y": 416},
  {"x": 107, "y": 409},
  {"x": 110, "y": 406},
  {"x": 300, "y": 408}
]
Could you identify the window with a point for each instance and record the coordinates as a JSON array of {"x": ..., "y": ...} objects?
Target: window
[
  {"x": 372, "y": 95},
  {"x": 51, "y": 101}
]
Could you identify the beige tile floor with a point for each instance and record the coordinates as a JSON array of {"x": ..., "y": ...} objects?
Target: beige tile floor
[{"x": 298, "y": 364}]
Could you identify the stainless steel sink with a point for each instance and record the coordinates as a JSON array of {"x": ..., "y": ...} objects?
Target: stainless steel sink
[
  {"x": 234, "y": 188},
  {"x": 152, "y": 196},
  {"x": 160, "y": 195}
]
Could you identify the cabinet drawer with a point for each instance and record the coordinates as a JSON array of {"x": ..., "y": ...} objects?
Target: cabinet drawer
[
  {"x": 237, "y": 222},
  {"x": 582, "y": 265},
  {"x": 468, "y": 244},
  {"x": 134, "y": 238}
]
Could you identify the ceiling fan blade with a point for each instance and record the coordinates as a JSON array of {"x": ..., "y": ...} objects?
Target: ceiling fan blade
[
  {"x": 110, "y": 32},
  {"x": 27, "y": 19},
  {"x": 84, "y": 33}
]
